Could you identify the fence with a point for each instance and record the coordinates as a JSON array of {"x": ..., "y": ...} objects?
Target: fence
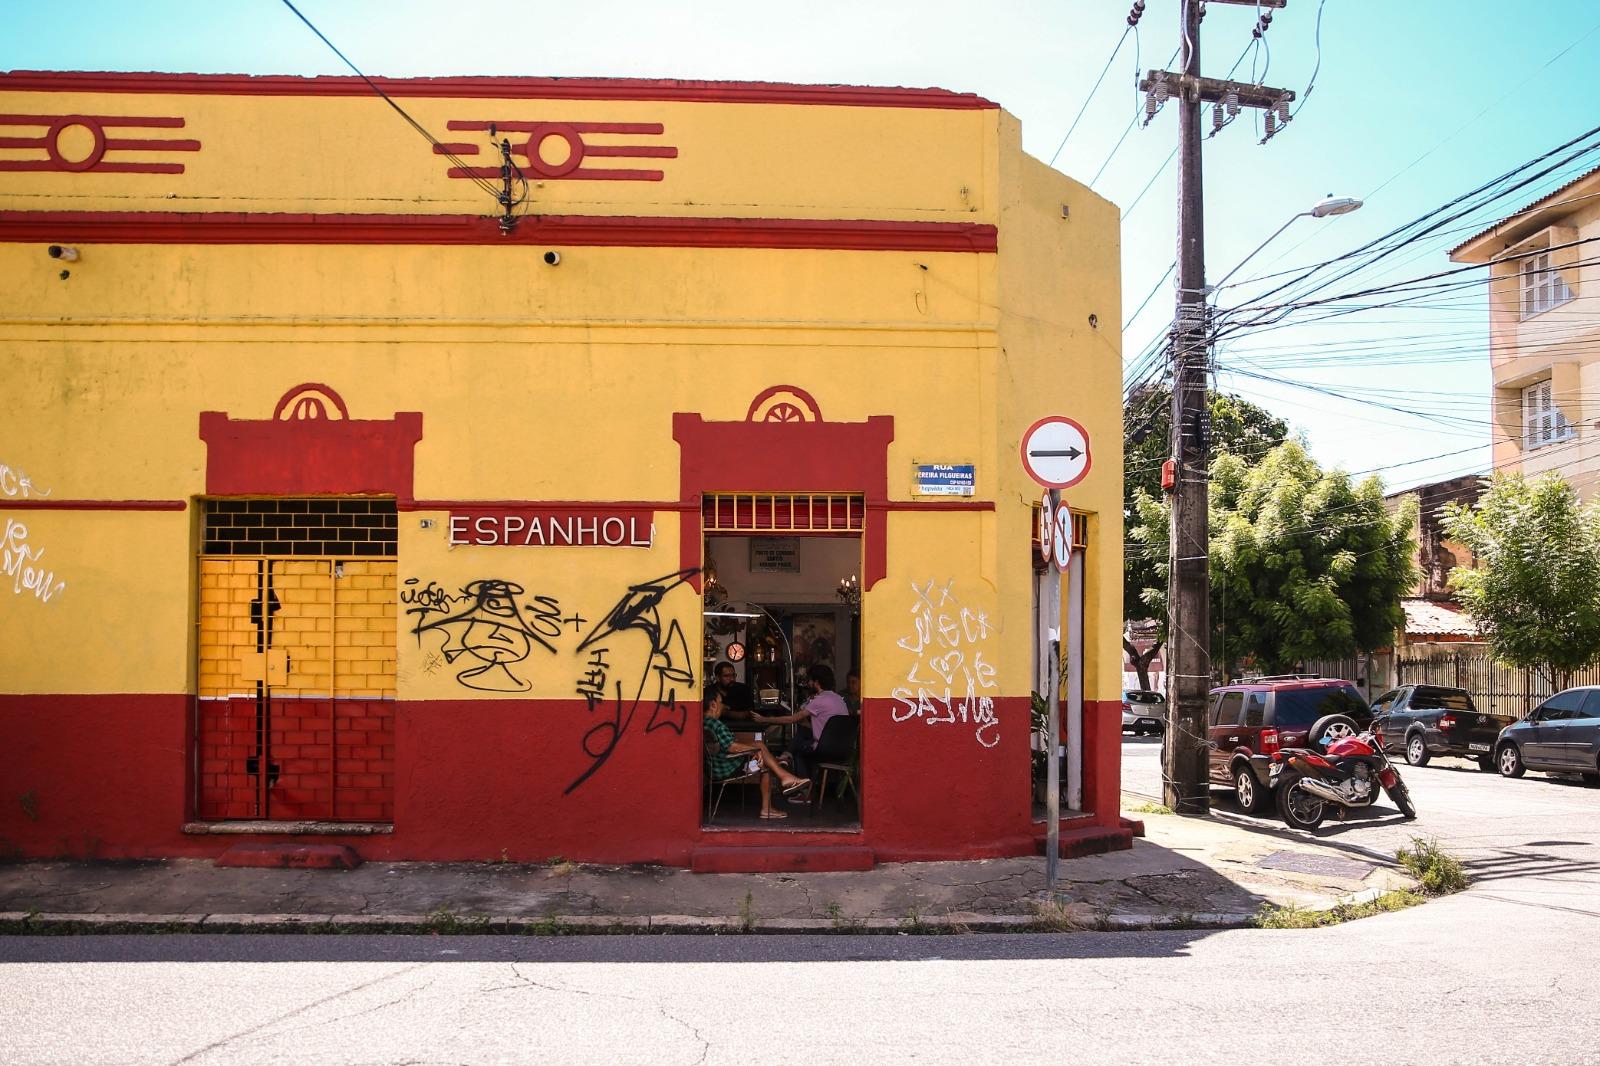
[
  {"x": 1370, "y": 673},
  {"x": 1495, "y": 687}
]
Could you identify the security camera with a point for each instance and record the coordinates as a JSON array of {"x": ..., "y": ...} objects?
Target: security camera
[
  {"x": 552, "y": 258},
  {"x": 64, "y": 252}
]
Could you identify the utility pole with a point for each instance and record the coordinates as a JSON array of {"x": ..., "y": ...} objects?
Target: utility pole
[{"x": 1185, "y": 756}]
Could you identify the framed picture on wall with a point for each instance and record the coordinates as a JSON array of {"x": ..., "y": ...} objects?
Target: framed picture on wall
[
  {"x": 815, "y": 641},
  {"x": 774, "y": 555}
]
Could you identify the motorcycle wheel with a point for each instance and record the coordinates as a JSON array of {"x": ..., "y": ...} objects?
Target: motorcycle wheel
[
  {"x": 1299, "y": 808},
  {"x": 1402, "y": 799}
]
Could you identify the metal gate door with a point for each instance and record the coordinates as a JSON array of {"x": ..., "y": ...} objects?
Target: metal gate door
[{"x": 296, "y": 688}]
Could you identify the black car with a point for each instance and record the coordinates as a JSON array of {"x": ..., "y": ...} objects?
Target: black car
[{"x": 1428, "y": 720}]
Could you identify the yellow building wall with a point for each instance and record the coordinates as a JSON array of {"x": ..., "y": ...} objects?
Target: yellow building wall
[
  {"x": 555, "y": 383},
  {"x": 346, "y": 154}
]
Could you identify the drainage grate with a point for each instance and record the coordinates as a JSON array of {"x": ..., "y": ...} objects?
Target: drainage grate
[{"x": 1301, "y": 863}]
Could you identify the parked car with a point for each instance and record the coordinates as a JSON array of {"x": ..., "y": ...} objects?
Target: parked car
[
  {"x": 1144, "y": 712},
  {"x": 1254, "y": 718},
  {"x": 1428, "y": 720},
  {"x": 1561, "y": 735}
]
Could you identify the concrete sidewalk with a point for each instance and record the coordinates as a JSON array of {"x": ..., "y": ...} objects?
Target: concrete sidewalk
[{"x": 1185, "y": 872}]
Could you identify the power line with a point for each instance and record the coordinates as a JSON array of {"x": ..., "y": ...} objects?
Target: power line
[
  {"x": 437, "y": 145},
  {"x": 1094, "y": 89}
]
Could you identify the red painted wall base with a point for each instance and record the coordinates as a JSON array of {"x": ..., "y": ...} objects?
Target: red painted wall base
[{"x": 110, "y": 777}]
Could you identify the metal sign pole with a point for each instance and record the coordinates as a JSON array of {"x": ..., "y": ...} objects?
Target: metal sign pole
[{"x": 1052, "y": 695}]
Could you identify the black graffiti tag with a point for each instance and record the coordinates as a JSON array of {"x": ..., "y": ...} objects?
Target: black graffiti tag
[
  {"x": 489, "y": 627},
  {"x": 638, "y": 611}
]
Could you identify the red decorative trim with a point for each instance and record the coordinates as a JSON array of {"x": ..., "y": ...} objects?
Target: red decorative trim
[
  {"x": 718, "y": 92},
  {"x": 596, "y": 231},
  {"x": 784, "y": 456},
  {"x": 932, "y": 505},
  {"x": 307, "y": 404},
  {"x": 565, "y": 505},
  {"x": 798, "y": 393},
  {"x": 97, "y": 126},
  {"x": 301, "y": 450},
  {"x": 94, "y": 505},
  {"x": 577, "y": 149}
]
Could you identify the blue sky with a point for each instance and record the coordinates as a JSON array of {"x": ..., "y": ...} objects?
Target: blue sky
[{"x": 1413, "y": 103}]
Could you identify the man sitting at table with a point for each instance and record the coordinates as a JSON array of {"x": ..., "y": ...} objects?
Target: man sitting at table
[
  {"x": 727, "y": 757},
  {"x": 813, "y": 717},
  {"x": 736, "y": 695}
]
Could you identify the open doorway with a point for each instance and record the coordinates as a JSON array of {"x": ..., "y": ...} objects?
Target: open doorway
[{"x": 782, "y": 654}]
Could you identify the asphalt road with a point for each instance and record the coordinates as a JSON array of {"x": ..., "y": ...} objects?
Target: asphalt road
[
  {"x": 1535, "y": 839},
  {"x": 1502, "y": 973}
]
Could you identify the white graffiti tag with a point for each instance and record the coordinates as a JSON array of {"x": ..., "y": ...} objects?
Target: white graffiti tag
[
  {"x": 949, "y": 681},
  {"x": 19, "y": 561},
  {"x": 14, "y": 482}
]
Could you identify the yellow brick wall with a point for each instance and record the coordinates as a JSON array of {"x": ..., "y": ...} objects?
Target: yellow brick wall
[
  {"x": 227, "y": 586},
  {"x": 303, "y": 626},
  {"x": 364, "y": 629},
  {"x": 337, "y": 628}
]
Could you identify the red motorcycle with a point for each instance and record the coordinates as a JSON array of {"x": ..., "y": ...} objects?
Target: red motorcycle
[{"x": 1346, "y": 773}]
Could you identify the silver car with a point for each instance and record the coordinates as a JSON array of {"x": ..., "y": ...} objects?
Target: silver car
[
  {"x": 1562, "y": 735},
  {"x": 1143, "y": 712}
]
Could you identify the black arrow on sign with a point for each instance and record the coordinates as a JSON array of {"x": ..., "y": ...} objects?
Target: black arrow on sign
[{"x": 1070, "y": 453}]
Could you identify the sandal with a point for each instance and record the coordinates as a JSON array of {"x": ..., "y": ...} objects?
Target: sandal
[
  {"x": 774, "y": 814},
  {"x": 799, "y": 785}
]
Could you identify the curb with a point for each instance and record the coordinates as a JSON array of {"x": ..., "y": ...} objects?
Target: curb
[{"x": 20, "y": 923}]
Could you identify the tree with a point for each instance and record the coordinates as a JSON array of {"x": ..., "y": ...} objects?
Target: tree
[
  {"x": 1238, "y": 427},
  {"x": 1304, "y": 563},
  {"x": 1536, "y": 592}
]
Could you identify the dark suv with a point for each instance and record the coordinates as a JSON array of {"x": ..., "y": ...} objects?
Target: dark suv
[{"x": 1253, "y": 718}]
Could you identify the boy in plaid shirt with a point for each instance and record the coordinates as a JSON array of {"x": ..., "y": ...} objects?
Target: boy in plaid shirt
[{"x": 727, "y": 757}]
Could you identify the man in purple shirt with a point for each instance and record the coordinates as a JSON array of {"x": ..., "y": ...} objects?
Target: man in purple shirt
[{"x": 811, "y": 718}]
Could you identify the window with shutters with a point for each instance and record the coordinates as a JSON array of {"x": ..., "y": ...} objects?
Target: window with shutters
[
  {"x": 1542, "y": 285},
  {"x": 1542, "y": 421}
]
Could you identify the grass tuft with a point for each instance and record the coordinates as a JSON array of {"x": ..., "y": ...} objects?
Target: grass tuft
[
  {"x": 1058, "y": 916},
  {"x": 1272, "y": 916},
  {"x": 446, "y": 922},
  {"x": 1439, "y": 872},
  {"x": 1150, "y": 808}
]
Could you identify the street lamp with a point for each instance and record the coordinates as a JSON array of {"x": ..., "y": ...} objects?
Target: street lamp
[{"x": 1324, "y": 208}]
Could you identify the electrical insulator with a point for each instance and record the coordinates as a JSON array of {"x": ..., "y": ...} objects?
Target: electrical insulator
[
  {"x": 1230, "y": 100},
  {"x": 1216, "y": 120},
  {"x": 1283, "y": 111},
  {"x": 1136, "y": 13},
  {"x": 1155, "y": 96},
  {"x": 1272, "y": 126}
]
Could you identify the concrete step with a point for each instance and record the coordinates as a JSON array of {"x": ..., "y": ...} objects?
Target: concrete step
[{"x": 291, "y": 856}]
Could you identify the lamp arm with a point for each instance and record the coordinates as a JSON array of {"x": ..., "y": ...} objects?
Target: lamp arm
[
  {"x": 788, "y": 651},
  {"x": 1257, "y": 252}
]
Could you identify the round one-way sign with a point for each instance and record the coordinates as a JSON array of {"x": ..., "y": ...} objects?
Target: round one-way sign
[{"x": 1055, "y": 452}]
